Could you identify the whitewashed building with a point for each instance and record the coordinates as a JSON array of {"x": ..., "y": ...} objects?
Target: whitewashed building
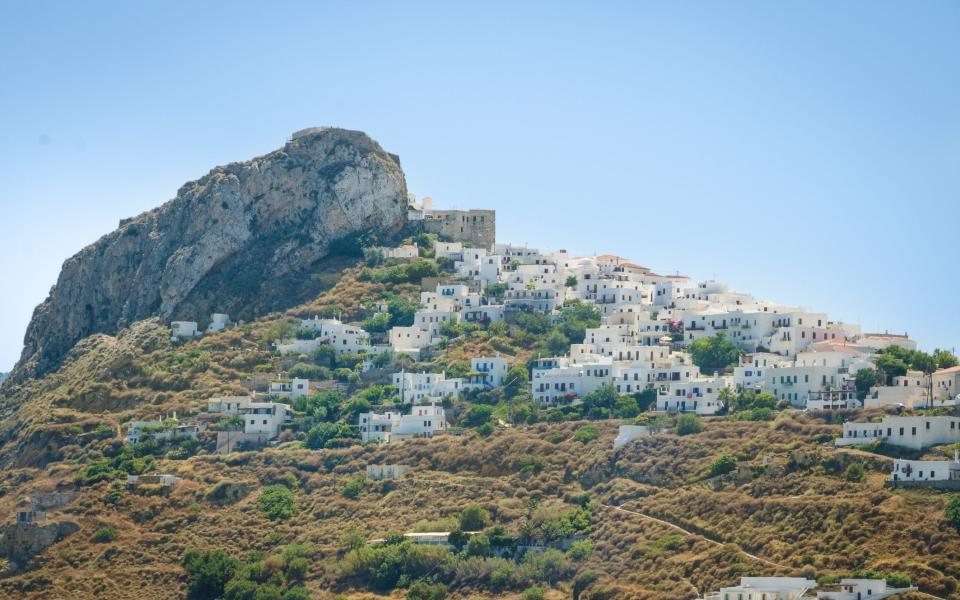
[
  {"x": 259, "y": 418},
  {"x": 343, "y": 337},
  {"x": 292, "y": 388},
  {"x": 183, "y": 330},
  {"x": 218, "y": 321},
  {"x": 766, "y": 588},
  {"x": 917, "y": 432},
  {"x": 406, "y": 251},
  {"x": 926, "y": 470},
  {"x": 423, "y": 387},
  {"x": 700, "y": 396},
  {"x": 488, "y": 371},
  {"x": 138, "y": 431},
  {"x": 424, "y": 421},
  {"x": 862, "y": 589}
]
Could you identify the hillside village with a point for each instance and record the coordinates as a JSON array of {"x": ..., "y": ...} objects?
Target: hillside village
[{"x": 486, "y": 339}]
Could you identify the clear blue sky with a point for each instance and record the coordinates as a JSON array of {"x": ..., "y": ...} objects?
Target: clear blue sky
[{"x": 808, "y": 152}]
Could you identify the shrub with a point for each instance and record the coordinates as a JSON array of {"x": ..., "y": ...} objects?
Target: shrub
[
  {"x": 688, "y": 423},
  {"x": 277, "y": 502},
  {"x": 533, "y": 593},
  {"x": 586, "y": 433},
  {"x": 898, "y": 580},
  {"x": 297, "y": 593},
  {"x": 104, "y": 535},
  {"x": 321, "y": 433},
  {"x": 353, "y": 487},
  {"x": 854, "y": 472},
  {"x": 208, "y": 573},
  {"x": 723, "y": 465},
  {"x": 582, "y": 582},
  {"x": 421, "y": 590},
  {"x": 474, "y": 518},
  {"x": 953, "y": 510},
  {"x": 486, "y": 429},
  {"x": 580, "y": 550},
  {"x": 478, "y": 545},
  {"x": 477, "y": 415}
]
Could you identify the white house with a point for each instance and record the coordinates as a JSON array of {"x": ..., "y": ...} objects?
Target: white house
[
  {"x": 138, "y": 431},
  {"x": 410, "y": 340},
  {"x": 566, "y": 382},
  {"x": 946, "y": 385},
  {"x": 218, "y": 321},
  {"x": 451, "y": 250},
  {"x": 628, "y": 433},
  {"x": 862, "y": 589},
  {"x": 700, "y": 396},
  {"x": 917, "y": 432},
  {"x": 926, "y": 470},
  {"x": 292, "y": 388},
  {"x": 424, "y": 421},
  {"x": 259, "y": 418},
  {"x": 420, "y": 388},
  {"x": 401, "y": 252},
  {"x": 183, "y": 330},
  {"x": 910, "y": 390},
  {"x": 766, "y": 588},
  {"x": 344, "y": 338},
  {"x": 488, "y": 371}
]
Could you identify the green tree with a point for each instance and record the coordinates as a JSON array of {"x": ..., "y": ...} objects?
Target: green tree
[
  {"x": 944, "y": 359},
  {"x": 517, "y": 380},
  {"x": 478, "y": 545},
  {"x": 556, "y": 343},
  {"x": 377, "y": 323},
  {"x": 723, "y": 465},
  {"x": 277, "y": 502},
  {"x": 576, "y": 318},
  {"x": 645, "y": 399},
  {"x": 321, "y": 433},
  {"x": 715, "y": 353},
  {"x": 474, "y": 517},
  {"x": 571, "y": 281},
  {"x": 864, "y": 380},
  {"x": 208, "y": 573},
  {"x": 953, "y": 510},
  {"x": 688, "y": 423},
  {"x": 477, "y": 415},
  {"x": 421, "y": 590}
]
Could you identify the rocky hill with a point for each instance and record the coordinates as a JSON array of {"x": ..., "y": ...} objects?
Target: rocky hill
[
  {"x": 563, "y": 513},
  {"x": 244, "y": 239},
  {"x": 655, "y": 524}
]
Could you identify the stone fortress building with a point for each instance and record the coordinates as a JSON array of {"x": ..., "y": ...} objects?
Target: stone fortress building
[{"x": 474, "y": 227}]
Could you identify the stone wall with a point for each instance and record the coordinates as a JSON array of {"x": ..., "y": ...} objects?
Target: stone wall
[
  {"x": 20, "y": 541},
  {"x": 476, "y": 227}
]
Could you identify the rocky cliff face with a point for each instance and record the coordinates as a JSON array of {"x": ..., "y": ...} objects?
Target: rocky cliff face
[{"x": 244, "y": 239}]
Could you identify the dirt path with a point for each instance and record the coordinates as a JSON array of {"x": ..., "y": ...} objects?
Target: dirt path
[{"x": 694, "y": 534}]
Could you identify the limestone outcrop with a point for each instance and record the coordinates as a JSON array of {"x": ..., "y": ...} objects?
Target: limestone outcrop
[{"x": 244, "y": 240}]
